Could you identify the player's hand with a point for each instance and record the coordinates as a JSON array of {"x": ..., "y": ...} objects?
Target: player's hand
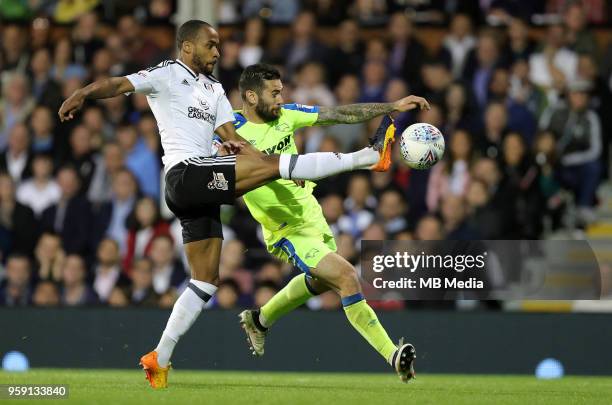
[
  {"x": 299, "y": 183},
  {"x": 72, "y": 104},
  {"x": 410, "y": 103},
  {"x": 232, "y": 147}
]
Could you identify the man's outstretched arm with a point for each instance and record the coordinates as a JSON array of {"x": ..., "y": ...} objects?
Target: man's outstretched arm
[
  {"x": 354, "y": 113},
  {"x": 105, "y": 88}
]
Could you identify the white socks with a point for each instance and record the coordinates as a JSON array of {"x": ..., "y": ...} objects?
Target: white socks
[
  {"x": 314, "y": 166},
  {"x": 184, "y": 313}
]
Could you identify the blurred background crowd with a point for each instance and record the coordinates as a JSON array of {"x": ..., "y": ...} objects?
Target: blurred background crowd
[{"x": 521, "y": 90}]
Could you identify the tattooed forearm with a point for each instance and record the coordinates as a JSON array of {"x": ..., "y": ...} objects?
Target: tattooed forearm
[{"x": 352, "y": 113}]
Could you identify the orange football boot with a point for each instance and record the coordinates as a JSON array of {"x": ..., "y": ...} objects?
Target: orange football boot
[
  {"x": 382, "y": 141},
  {"x": 157, "y": 376}
]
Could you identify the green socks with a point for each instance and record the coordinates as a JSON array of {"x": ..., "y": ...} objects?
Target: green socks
[
  {"x": 364, "y": 319},
  {"x": 294, "y": 294},
  {"x": 359, "y": 313}
]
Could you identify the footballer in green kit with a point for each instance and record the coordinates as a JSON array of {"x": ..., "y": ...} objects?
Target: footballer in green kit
[{"x": 294, "y": 227}]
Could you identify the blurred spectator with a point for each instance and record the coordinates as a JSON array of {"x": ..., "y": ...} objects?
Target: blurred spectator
[
  {"x": 118, "y": 298},
  {"x": 346, "y": 248},
  {"x": 71, "y": 216},
  {"x": 349, "y": 49},
  {"x": 142, "y": 50},
  {"x": 429, "y": 227},
  {"x": 107, "y": 272},
  {"x": 16, "y": 159},
  {"x": 227, "y": 294},
  {"x": 357, "y": 206},
  {"x": 271, "y": 271},
  {"x": 495, "y": 126},
  {"x": 144, "y": 225},
  {"x": 41, "y": 191},
  {"x": 333, "y": 210},
  {"x": 46, "y": 91},
  {"x": 374, "y": 231},
  {"x": 520, "y": 118},
  {"x": 453, "y": 210},
  {"x": 66, "y": 11},
  {"x": 40, "y": 33},
  {"x": 520, "y": 46},
  {"x": 64, "y": 67},
  {"x": 303, "y": 45},
  {"x": 231, "y": 262},
  {"x": 578, "y": 38},
  {"x": 168, "y": 271},
  {"x": 459, "y": 114},
  {"x": 16, "y": 104},
  {"x": 406, "y": 51},
  {"x": 458, "y": 43},
  {"x": 75, "y": 291},
  {"x": 310, "y": 86},
  {"x": 84, "y": 38},
  {"x": 252, "y": 48},
  {"x": 14, "y": 55},
  {"x": 579, "y": 142},
  {"x": 520, "y": 173},
  {"x": 374, "y": 82},
  {"x": 369, "y": 12},
  {"x": 140, "y": 160},
  {"x": 391, "y": 212},
  {"x": 482, "y": 215},
  {"x": 554, "y": 66},
  {"x": 15, "y": 290},
  {"x": 149, "y": 133},
  {"x": 347, "y": 135},
  {"x": 263, "y": 292},
  {"x": 480, "y": 65},
  {"x": 108, "y": 164},
  {"x": 42, "y": 124},
  {"x": 523, "y": 91},
  {"x": 18, "y": 227},
  {"x": 548, "y": 182},
  {"x": 112, "y": 216},
  {"x": 436, "y": 80},
  {"x": 275, "y": 11},
  {"x": 49, "y": 257},
  {"x": 46, "y": 294},
  {"x": 81, "y": 156},
  {"x": 229, "y": 64},
  {"x": 452, "y": 175},
  {"x": 142, "y": 292}
]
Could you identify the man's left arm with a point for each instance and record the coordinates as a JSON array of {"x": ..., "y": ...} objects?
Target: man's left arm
[{"x": 355, "y": 113}]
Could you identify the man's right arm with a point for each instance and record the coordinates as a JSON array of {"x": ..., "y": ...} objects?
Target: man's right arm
[{"x": 105, "y": 88}]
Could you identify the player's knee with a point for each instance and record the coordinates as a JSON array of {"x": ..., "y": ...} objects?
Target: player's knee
[{"x": 348, "y": 275}]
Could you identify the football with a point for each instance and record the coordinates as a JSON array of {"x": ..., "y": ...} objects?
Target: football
[{"x": 421, "y": 146}]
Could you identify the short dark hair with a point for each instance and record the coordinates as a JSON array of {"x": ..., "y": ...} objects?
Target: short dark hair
[
  {"x": 253, "y": 77},
  {"x": 189, "y": 30}
]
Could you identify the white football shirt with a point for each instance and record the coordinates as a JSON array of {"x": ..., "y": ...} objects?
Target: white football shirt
[{"x": 188, "y": 108}]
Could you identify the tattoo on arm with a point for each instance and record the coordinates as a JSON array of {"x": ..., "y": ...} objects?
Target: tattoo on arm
[{"x": 352, "y": 113}]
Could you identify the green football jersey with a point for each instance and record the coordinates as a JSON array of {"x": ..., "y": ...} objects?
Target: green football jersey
[{"x": 280, "y": 203}]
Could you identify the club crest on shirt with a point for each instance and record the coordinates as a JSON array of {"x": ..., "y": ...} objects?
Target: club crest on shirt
[
  {"x": 204, "y": 104},
  {"x": 218, "y": 182},
  {"x": 209, "y": 87}
]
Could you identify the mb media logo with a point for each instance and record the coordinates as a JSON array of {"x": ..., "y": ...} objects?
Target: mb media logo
[{"x": 218, "y": 182}]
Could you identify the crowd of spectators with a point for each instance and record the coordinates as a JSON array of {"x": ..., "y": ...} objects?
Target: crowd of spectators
[{"x": 526, "y": 123}]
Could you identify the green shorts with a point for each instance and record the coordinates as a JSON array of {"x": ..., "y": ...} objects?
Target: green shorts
[{"x": 303, "y": 246}]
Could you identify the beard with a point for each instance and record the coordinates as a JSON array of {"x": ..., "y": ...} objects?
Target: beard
[
  {"x": 202, "y": 67},
  {"x": 265, "y": 112}
]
